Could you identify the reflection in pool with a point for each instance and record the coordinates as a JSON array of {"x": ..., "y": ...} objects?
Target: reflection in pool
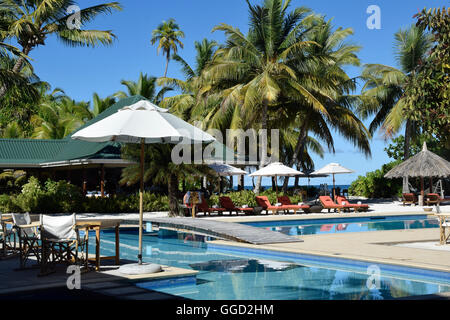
[{"x": 229, "y": 277}]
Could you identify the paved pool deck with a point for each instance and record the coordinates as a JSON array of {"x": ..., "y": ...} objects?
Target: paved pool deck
[{"x": 374, "y": 246}]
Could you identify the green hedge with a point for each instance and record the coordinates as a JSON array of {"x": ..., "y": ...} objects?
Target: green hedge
[
  {"x": 375, "y": 185},
  {"x": 63, "y": 197}
]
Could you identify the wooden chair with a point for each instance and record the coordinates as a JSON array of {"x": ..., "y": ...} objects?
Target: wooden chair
[
  {"x": 61, "y": 241},
  {"x": 327, "y": 203},
  {"x": 409, "y": 198},
  {"x": 29, "y": 238}
]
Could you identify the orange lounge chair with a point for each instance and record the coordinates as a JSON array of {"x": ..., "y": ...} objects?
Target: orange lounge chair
[
  {"x": 285, "y": 201},
  {"x": 327, "y": 203},
  {"x": 228, "y": 204},
  {"x": 357, "y": 207},
  {"x": 264, "y": 202},
  {"x": 204, "y": 207},
  {"x": 409, "y": 198}
]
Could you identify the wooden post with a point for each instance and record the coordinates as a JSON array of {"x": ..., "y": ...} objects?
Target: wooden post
[
  {"x": 231, "y": 182},
  {"x": 102, "y": 181},
  {"x": 84, "y": 182}
]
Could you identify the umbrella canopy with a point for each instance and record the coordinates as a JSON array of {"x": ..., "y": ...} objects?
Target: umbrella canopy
[
  {"x": 423, "y": 164},
  {"x": 143, "y": 120},
  {"x": 276, "y": 169},
  {"x": 333, "y": 168},
  {"x": 144, "y": 123},
  {"x": 223, "y": 170}
]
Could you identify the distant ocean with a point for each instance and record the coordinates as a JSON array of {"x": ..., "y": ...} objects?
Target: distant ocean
[{"x": 330, "y": 186}]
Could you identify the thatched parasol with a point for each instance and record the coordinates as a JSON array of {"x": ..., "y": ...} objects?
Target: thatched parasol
[{"x": 423, "y": 164}]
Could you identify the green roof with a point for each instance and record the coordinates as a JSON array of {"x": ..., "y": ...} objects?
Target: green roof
[{"x": 35, "y": 152}]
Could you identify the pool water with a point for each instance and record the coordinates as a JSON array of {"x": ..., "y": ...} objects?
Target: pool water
[
  {"x": 230, "y": 277},
  {"x": 318, "y": 226}
]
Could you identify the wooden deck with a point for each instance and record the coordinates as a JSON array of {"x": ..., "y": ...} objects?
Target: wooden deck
[{"x": 224, "y": 230}]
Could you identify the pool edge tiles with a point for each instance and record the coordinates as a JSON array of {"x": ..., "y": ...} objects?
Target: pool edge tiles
[{"x": 328, "y": 261}]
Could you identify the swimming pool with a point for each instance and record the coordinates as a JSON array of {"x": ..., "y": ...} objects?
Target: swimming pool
[
  {"x": 340, "y": 225},
  {"x": 251, "y": 276}
]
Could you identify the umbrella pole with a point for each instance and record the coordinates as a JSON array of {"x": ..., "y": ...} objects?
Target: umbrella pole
[
  {"x": 334, "y": 190},
  {"x": 141, "y": 201}
]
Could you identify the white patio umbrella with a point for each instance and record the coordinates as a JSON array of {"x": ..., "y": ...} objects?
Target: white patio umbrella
[
  {"x": 333, "y": 168},
  {"x": 276, "y": 169},
  {"x": 224, "y": 170},
  {"x": 144, "y": 123}
]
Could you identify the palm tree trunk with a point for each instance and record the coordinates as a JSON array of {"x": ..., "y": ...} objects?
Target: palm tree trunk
[
  {"x": 167, "y": 63},
  {"x": 407, "y": 145},
  {"x": 299, "y": 148},
  {"x": 16, "y": 69},
  {"x": 406, "y": 153},
  {"x": 263, "y": 143},
  {"x": 173, "y": 191}
]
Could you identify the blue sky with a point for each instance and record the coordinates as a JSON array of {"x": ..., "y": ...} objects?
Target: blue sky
[{"x": 82, "y": 71}]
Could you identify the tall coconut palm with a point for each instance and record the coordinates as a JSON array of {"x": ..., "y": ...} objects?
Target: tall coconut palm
[
  {"x": 168, "y": 36},
  {"x": 321, "y": 71},
  {"x": 383, "y": 91},
  {"x": 255, "y": 68},
  {"x": 31, "y": 22}
]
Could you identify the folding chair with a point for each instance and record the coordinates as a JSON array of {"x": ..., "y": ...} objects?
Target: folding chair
[
  {"x": 61, "y": 242},
  {"x": 7, "y": 239},
  {"x": 29, "y": 238}
]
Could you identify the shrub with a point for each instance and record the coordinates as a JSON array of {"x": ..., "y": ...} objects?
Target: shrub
[{"x": 375, "y": 185}]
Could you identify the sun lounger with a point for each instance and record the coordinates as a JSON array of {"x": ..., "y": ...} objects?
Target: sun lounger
[
  {"x": 341, "y": 200},
  {"x": 228, "y": 204},
  {"x": 264, "y": 202},
  {"x": 327, "y": 203},
  {"x": 285, "y": 201},
  {"x": 206, "y": 209},
  {"x": 433, "y": 198},
  {"x": 409, "y": 198}
]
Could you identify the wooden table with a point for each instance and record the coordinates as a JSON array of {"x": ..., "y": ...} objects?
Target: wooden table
[
  {"x": 444, "y": 223},
  {"x": 98, "y": 225}
]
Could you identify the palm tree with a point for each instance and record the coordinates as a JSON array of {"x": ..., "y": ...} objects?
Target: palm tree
[
  {"x": 59, "y": 116},
  {"x": 188, "y": 104},
  {"x": 145, "y": 86},
  {"x": 321, "y": 71},
  {"x": 383, "y": 92},
  {"x": 31, "y": 22},
  {"x": 255, "y": 68},
  {"x": 168, "y": 36},
  {"x": 160, "y": 169},
  {"x": 99, "y": 105}
]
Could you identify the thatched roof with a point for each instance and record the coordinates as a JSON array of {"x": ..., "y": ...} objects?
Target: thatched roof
[{"x": 423, "y": 164}]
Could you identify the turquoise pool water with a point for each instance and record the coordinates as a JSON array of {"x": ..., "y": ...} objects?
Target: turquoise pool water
[
  {"x": 339, "y": 225},
  {"x": 253, "y": 277}
]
